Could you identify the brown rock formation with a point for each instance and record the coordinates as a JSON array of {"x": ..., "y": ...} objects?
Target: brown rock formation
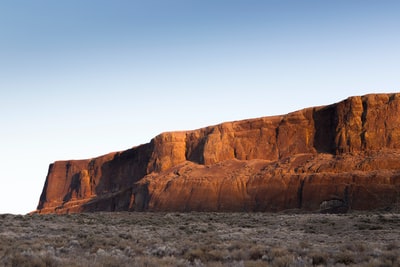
[{"x": 342, "y": 156}]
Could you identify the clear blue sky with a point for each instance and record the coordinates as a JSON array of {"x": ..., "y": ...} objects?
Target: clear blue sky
[{"x": 82, "y": 78}]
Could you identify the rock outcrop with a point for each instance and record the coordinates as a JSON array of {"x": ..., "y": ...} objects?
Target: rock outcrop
[{"x": 334, "y": 158}]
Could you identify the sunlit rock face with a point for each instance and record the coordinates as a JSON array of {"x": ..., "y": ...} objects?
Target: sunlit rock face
[{"x": 346, "y": 153}]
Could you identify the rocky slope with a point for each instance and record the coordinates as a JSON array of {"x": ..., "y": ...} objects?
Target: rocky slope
[{"x": 331, "y": 158}]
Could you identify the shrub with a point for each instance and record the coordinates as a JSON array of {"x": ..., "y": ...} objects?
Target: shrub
[
  {"x": 345, "y": 258},
  {"x": 319, "y": 259}
]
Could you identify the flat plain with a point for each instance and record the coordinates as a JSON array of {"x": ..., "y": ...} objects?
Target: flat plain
[{"x": 200, "y": 239}]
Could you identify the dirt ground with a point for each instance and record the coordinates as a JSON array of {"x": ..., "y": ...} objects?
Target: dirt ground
[{"x": 200, "y": 239}]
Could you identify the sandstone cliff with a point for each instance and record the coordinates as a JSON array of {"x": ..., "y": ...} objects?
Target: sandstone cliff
[{"x": 337, "y": 157}]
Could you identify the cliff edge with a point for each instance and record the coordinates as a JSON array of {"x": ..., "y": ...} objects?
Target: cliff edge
[{"x": 330, "y": 158}]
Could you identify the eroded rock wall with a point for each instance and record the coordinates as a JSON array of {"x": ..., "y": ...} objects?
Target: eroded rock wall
[{"x": 366, "y": 127}]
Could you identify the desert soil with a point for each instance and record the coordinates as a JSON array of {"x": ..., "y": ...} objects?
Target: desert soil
[{"x": 200, "y": 239}]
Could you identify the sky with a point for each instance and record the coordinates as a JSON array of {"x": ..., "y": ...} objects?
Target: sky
[{"x": 82, "y": 78}]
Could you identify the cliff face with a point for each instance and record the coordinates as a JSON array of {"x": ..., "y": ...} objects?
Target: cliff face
[{"x": 341, "y": 156}]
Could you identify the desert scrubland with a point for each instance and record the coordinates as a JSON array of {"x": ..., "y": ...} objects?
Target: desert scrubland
[{"x": 200, "y": 239}]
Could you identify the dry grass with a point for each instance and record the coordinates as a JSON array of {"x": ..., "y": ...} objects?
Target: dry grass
[{"x": 200, "y": 239}]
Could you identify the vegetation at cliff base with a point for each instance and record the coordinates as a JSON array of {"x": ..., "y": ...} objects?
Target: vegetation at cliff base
[{"x": 200, "y": 239}]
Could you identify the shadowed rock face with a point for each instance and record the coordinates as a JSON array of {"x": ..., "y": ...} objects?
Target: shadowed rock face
[{"x": 346, "y": 153}]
